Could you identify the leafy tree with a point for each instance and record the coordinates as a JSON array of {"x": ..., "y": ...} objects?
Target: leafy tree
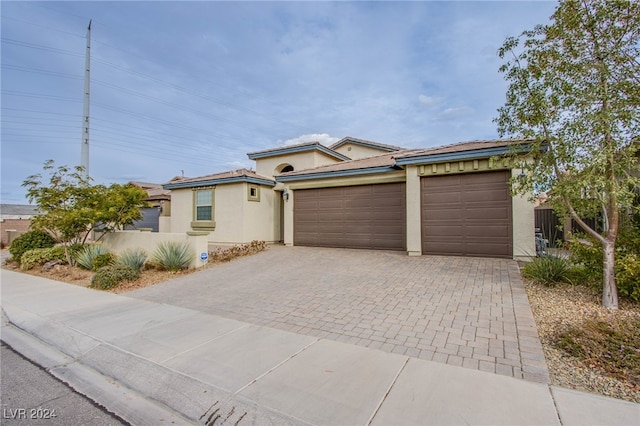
[
  {"x": 574, "y": 90},
  {"x": 70, "y": 207}
]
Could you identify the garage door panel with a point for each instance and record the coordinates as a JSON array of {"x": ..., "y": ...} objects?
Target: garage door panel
[
  {"x": 467, "y": 215},
  {"x": 366, "y": 216},
  {"x": 488, "y": 213}
]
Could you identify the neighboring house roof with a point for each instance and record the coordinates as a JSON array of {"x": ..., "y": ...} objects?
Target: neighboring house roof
[
  {"x": 17, "y": 211},
  {"x": 291, "y": 149},
  {"x": 463, "y": 151},
  {"x": 232, "y": 176},
  {"x": 154, "y": 190},
  {"x": 362, "y": 142}
]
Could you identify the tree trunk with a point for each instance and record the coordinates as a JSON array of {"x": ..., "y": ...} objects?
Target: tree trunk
[{"x": 610, "y": 290}]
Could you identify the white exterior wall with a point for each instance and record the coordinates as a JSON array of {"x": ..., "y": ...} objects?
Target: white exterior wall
[
  {"x": 523, "y": 216},
  {"x": 237, "y": 219},
  {"x": 262, "y": 218}
]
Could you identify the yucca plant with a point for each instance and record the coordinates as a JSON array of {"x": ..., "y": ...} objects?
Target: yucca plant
[
  {"x": 133, "y": 258},
  {"x": 548, "y": 270},
  {"x": 87, "y": 255},
  {"x": 173, "y": 256}
]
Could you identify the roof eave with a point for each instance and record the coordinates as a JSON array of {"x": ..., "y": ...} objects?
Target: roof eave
[
  {"x": 464, "y": 155},
  {"x": 296, "y": 149},
  {"x": 219, "y": 181},
  {"x": 338, "y": 173}
]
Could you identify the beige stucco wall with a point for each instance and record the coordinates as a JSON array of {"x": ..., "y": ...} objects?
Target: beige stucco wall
[
  {"x": 237, "y": 219},
  {"x": 522, "y": 211},
  {"x": 300, "y": 161},
  {"x": 148, "y": 241},
  {"x": 355, "y": 152},
  {"x": 414, "y": 212}
]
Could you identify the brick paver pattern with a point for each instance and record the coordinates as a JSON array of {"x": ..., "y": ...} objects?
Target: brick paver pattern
[{"x": 468, "y": 312}]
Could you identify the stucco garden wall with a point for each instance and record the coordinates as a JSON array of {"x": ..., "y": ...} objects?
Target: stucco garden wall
[{"x": 148, "y": 241}]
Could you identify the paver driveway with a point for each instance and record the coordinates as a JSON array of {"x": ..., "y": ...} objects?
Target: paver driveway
[{"x": 469, "y": 312}]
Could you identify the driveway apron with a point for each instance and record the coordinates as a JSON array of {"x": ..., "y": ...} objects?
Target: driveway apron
[{"x": 468, "y": 312}]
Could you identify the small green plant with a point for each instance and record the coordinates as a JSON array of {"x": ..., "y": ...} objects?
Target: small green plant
[
  {"x": 102, "y": 260},
  {"x": 38, "y": 257},
  {"x": 548, "y": 270},
  {"x": 29, "y": 241},
  {"x": 133, "y": 258},
  {"x": 173, "y": 256},
  {"x": 88, "y": 253},
  {"x": 111, "y": 276}
]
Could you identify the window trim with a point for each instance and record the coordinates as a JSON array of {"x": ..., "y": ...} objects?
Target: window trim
[
  {"x": 203, "y": 224},
  {"x": 253, "y": 197}
]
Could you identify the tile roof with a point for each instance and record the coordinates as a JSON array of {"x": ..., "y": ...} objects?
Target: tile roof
[
  {"x": 240, "y": 175},
  {"x": 290, "y": 149},
  {"x": 23, "y": 210},
  {"x": 357, "y": 141},
  {"x": 462, "y": 146}
]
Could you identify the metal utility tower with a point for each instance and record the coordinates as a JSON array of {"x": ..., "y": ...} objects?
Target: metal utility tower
[{"x": 84, "y": 152}]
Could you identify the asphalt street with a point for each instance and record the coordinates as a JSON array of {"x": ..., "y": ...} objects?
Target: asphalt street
[{"x": 31, "y": 396}]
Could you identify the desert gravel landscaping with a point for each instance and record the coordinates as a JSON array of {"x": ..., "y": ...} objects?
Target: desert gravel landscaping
[{"x": 555, "y": 309}]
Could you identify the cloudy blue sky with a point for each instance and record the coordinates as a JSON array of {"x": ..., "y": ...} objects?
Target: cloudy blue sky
[{"x": 191, "y": 87}]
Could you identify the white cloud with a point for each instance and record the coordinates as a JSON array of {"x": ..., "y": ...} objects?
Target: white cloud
[
  {"x": 429, "y": 100},
  {"x": 454, "y": 113},
  {"x": 323, "y": 138}
]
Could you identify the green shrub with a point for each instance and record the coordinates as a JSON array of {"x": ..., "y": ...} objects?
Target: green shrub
[
  {"x": 628, "y": 276},
  {"x": 587, "y": 253},
  {"x": 38, "y": 257},
  {"x": 88, "y": 253},
  {"x": 102, "y": 260},
  {"x": 29, "y": 241},
  {"x": 548, "y": 270},
  {"x": 133, "y": 258},
  {"x": 173, "y": 256},
  {"x": 112, "y": 275}
]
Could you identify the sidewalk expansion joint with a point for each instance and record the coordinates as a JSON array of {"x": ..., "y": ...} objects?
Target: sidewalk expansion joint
[
  {"x": 555, "y": 405},
  {"x": 203, "y": 343},
  {"x": 386, "y": 394}
]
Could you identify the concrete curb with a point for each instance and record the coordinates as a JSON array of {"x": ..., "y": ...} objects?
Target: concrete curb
[{"x": 105, "y": 391}]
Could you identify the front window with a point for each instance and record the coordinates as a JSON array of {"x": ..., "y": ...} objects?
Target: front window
[
  {"x": 204, "y": 205},
  {"x": 203, "y": 209}
]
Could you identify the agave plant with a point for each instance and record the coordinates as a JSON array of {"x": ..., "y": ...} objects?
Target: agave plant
[
  {"x": 173, "y": 256},
  {"x": 133, "y": 258},
  {"x": 87, "y": 255}
]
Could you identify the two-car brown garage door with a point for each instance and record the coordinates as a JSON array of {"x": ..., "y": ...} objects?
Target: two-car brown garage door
[
  {"x": 467, "y": 215},
  {"x": 363, "y": 216},
  {"x": 462, "y": 215}
]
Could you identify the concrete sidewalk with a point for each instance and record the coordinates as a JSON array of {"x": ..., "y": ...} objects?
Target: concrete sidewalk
[{"x": 155, "y": 363}]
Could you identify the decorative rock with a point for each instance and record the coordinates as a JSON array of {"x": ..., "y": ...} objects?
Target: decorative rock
[{"x": 50, "y": 265}]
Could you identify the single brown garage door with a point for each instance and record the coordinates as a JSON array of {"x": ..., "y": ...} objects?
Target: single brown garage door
[
  {"x": 365, "y": 216},
  {"x": 467, "y": 215}
]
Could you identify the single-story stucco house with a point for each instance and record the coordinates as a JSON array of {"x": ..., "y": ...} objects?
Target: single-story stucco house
[{"x": 449, "y": 200}]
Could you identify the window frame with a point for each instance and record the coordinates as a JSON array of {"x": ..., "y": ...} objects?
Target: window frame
[
  {"x": 209, "y": 224},
  {"x": 255, "y": 197}
]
